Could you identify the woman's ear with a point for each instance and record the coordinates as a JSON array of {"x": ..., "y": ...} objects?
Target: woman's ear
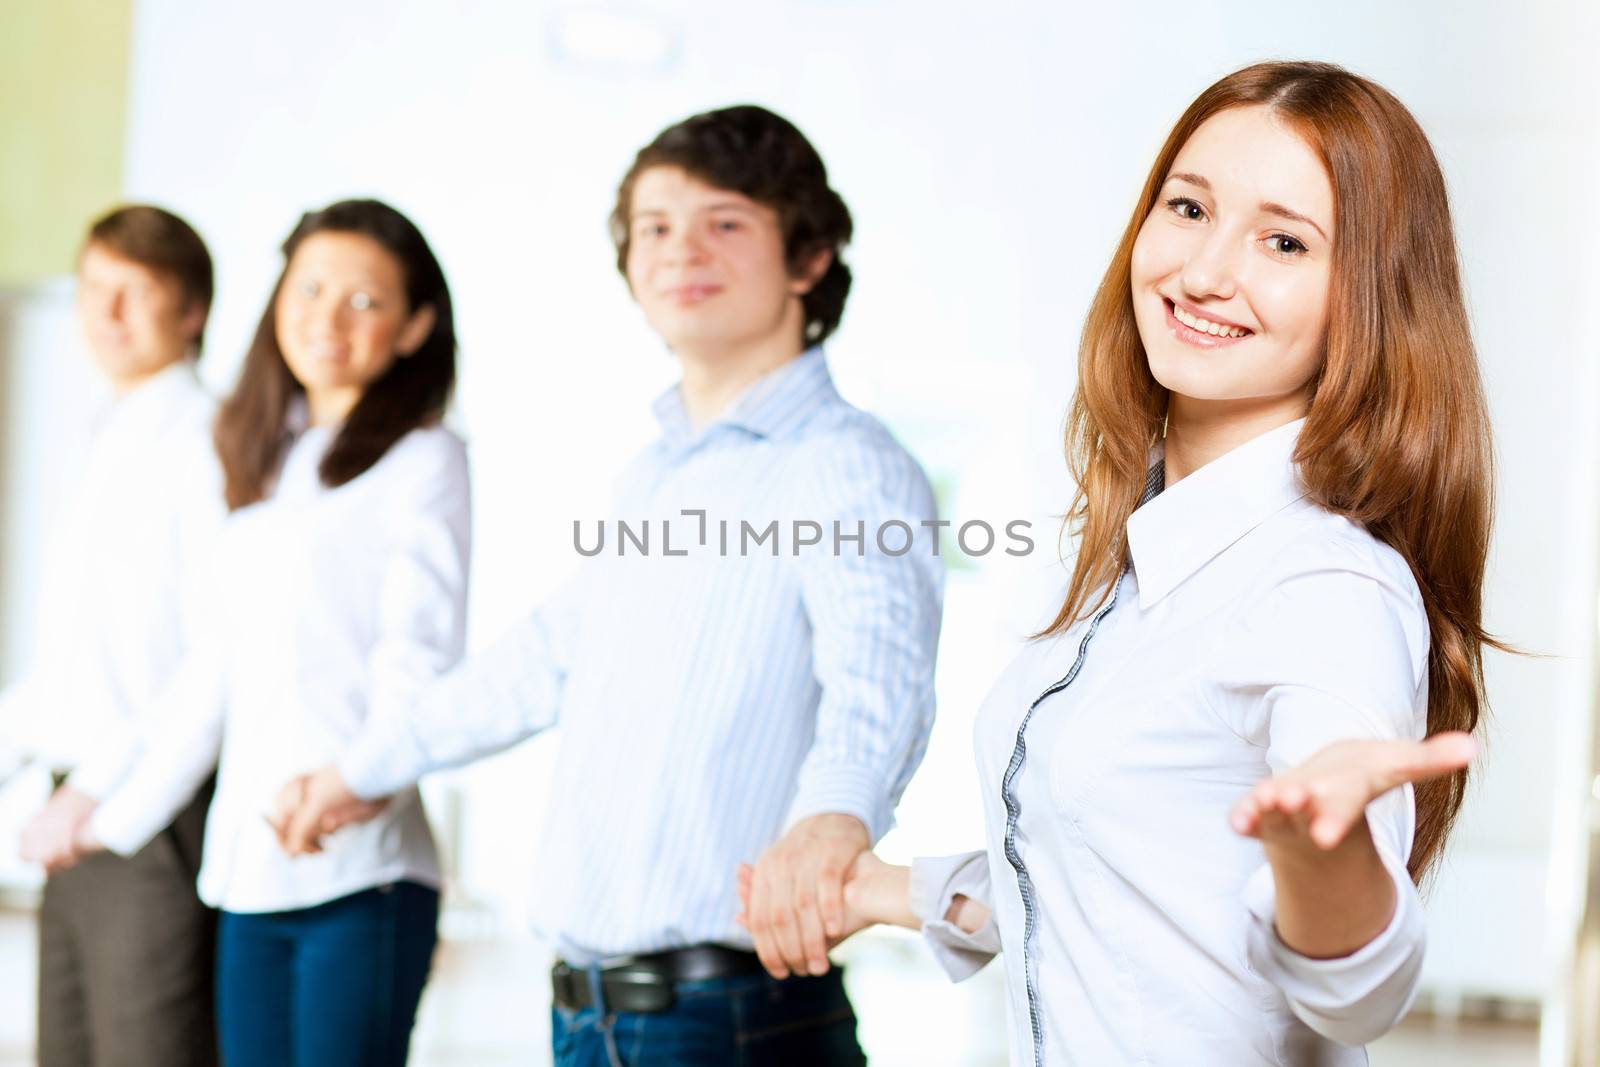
[
  {"x": 416, "y": 330},
  {"x": 811, "y": 271}
]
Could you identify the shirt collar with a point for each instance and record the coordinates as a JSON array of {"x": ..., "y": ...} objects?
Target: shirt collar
[
  {"x": 156, "y": 395},
  {"x": 1185, "y": 527},
  {"x": 774, "y": 404}
]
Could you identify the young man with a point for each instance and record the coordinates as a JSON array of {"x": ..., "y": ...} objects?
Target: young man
[
  {"x": 757, "y": 686},
  {"x": 125, "y": 947}
]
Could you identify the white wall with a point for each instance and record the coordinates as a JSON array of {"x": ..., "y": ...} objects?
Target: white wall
[{"x": 990, "y": 154}]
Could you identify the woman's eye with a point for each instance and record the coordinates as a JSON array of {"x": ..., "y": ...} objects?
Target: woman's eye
[
  {"x": 1283, "y": 245},
  {"x": 1186, "y": 208},
  {"x": 727, "y": 225},
  {"x": 653, "y": 230},
  {"x": 360, "y": 301}
]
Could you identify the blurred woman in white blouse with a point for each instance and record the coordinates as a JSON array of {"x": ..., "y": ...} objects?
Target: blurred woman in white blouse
[
  {"x": 339, "y": 587},
  {"x": 1214, "y": 780}
]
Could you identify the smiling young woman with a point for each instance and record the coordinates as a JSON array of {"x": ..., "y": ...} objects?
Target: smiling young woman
[
  {"x": 1212, "y": 781},
  {"x": 1397, "y": 432}
]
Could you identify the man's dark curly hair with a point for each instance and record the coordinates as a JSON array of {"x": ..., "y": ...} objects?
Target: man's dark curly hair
[{"x": 750, "y": 150}]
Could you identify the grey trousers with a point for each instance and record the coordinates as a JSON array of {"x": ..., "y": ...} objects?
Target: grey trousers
[{"x": 126, "y": 956}]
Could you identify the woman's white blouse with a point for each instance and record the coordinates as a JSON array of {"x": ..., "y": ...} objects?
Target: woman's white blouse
[
  {"x": 327, "y": 607},
  {"x": 1252, "y": 629}
]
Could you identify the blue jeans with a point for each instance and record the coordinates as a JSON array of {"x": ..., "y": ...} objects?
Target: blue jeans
[
  {"x": 751, "y": 1021},
  {"x": 336, "y": 985}
]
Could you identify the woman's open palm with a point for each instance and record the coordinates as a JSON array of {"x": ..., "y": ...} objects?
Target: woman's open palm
[{"x": 1315, "y": 805}]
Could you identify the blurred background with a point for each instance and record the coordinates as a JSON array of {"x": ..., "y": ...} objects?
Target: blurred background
[{"x": 990, "y": 154}]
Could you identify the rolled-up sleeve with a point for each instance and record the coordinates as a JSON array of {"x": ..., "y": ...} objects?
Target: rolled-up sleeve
[
  {"x": 1337, "y": 651},
  {"x": 936, "y": 882},
  {"x": 1353, "y": 999}
]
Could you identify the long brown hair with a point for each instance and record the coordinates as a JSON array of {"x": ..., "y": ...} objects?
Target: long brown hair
[
  {"x": 1397, "y": 436},
  {"x": 251, "y": 432}
]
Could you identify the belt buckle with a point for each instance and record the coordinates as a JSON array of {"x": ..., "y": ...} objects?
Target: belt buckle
[
  {"x": 637, "y": 987},
  {"x": 628, "y": 986}
]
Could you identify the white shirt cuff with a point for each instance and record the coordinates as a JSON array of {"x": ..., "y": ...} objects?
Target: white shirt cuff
[
  {"x": 123, "y": 827},
  {"x": 844, "y": 790},
  {"x": 935, "y": 883},
  {"x": 384, "y": 760},
  {"x": 99, "y": 772},
  {"x": 1353, "y": 999}
]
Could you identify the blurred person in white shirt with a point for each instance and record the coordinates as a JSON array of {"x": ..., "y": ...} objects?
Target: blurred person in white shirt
[{"x": 125, "y": 946}]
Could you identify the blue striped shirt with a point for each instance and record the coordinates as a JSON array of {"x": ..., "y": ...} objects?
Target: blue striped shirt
[{"x": 717, "y": 677}]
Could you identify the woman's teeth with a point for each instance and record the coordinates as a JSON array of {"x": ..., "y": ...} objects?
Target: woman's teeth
[{"x": 1215, "y": 329}]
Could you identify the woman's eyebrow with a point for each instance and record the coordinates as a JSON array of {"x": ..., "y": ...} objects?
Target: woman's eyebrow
[
  {"x": 1271, "y": 208},
  {"x": 359, "y": 281},
  {"x": 1267, "y": 206}
]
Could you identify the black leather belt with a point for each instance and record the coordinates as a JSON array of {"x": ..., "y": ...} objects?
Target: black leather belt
[{"x": 648, "y": 983}]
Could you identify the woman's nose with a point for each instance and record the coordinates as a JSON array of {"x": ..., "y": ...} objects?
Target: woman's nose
[{"x": 1211, "y": 270}]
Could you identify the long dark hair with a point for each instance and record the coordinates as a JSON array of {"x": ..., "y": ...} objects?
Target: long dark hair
[{"x": 250, "y": 429}]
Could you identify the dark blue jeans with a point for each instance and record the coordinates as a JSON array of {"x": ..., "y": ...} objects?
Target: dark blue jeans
[
  {"x": 336, "y": 985},
  {"x": 753, "y": 1021}
]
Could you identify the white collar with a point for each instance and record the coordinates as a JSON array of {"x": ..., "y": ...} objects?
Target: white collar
[{"x": 1185, "y": 527}]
